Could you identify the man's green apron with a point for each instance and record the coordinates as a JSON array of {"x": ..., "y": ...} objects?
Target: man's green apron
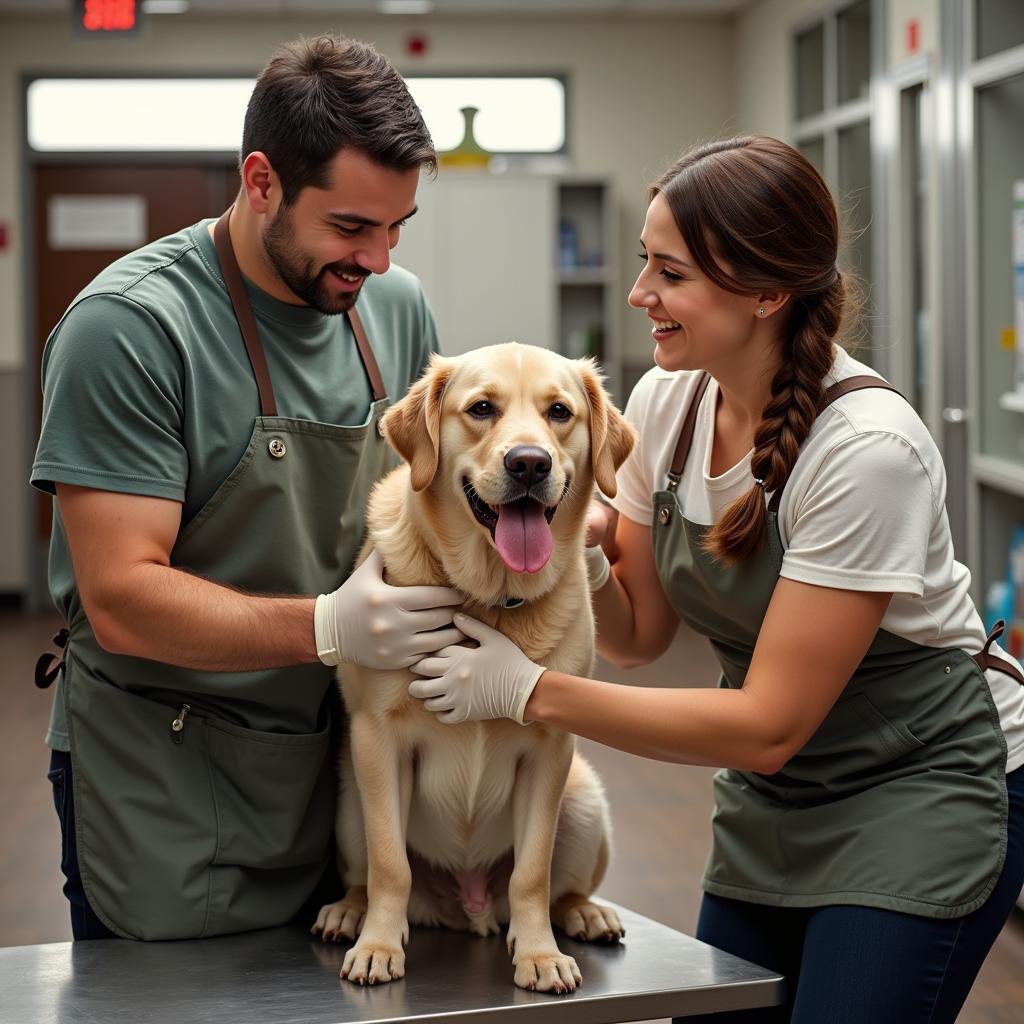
[
  {"x": 204, "y": 801},
  {"x": 899, "y": 799}
]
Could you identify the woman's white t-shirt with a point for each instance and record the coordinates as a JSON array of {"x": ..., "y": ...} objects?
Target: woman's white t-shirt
[{"x": 863, "y": 509}]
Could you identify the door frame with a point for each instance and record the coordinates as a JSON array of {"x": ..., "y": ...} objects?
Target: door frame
[{"x": 36, "y": 596}]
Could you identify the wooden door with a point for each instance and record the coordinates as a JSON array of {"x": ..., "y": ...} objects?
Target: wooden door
[{"x": 173, "y": 196}]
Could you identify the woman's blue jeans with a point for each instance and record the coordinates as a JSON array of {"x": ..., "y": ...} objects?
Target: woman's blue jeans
[{"x": 858, "y": 965}]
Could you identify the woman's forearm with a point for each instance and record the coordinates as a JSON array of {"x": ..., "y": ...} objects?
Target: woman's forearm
[
  {"x": 616, "y": 624},
  {"x": 631, "y": 632},
  {"x": 706, "y": 726}
]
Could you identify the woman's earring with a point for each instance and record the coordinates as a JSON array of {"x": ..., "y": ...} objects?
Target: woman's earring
[{"x": 760, "y": 310}]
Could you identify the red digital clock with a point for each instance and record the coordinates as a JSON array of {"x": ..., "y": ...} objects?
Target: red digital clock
[{"x": 103, "y": 16}]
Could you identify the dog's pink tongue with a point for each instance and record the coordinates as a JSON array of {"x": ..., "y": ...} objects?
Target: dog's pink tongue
[{"x": 522, "y": 536}]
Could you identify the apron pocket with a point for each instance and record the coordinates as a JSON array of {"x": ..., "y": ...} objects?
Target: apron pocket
[
  {"x": 144, "y": 817},
  {"x": 201, "y": 830},
  {"x": 273, "y": 794},
  {"x": 856, "y": 746}
]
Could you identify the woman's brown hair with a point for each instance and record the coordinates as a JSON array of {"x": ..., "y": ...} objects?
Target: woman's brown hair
[{"x": 757, "y": 217}]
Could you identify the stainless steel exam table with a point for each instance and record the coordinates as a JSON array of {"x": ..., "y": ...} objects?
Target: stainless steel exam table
[{"x": 285, "y": 976}]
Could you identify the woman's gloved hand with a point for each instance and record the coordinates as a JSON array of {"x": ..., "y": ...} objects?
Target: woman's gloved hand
[
  {"x": 472, "y": 684},
  {"x": 369, "y": 622},
  {"x": 601, "y": 520}
]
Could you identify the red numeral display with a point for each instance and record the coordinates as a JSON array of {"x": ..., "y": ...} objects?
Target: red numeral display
[{"x": 108, "y": 15}]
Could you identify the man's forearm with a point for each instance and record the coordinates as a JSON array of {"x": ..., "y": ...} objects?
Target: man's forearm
[{"x": 169, "y": 615}]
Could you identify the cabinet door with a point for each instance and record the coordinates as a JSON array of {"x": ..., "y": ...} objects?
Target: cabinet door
[{"x": 484, "y": 249}]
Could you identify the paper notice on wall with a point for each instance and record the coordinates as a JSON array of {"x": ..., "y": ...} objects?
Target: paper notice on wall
[{"x": 96, "y": 222}]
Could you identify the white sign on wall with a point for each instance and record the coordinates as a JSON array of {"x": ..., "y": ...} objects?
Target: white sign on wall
[{"x": 96, "y": 222}]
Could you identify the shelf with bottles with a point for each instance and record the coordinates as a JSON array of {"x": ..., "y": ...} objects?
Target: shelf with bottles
[
  {"x": 582, "y": 321},
  {"x": 585, "y": 273},
  {"x": 574, "y": 276},
  {"x": 1001, "y": 564},
  {"x": 583, "y": 228}
]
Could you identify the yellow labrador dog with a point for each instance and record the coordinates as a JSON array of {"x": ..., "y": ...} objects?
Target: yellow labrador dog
[{"x": 481, "y": 824}]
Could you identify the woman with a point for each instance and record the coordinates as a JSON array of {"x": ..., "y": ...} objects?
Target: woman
[{"x": 789, "y": 505}]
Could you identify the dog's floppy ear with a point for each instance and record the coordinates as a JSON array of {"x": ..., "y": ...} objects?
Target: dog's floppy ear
[
  {"x": 611, "y": 436},
  {"x": 413, "y": 425}
]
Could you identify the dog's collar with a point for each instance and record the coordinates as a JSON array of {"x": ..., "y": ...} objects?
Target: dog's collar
[{"x": 512, "y": 602}]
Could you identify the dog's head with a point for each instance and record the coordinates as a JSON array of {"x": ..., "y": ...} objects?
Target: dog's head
[{"x": 507, "y": 442}]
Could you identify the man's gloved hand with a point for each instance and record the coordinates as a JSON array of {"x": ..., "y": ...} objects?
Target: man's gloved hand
[
  {"x": 471, "y": 684},
  {"x": 369, "y": 622}
]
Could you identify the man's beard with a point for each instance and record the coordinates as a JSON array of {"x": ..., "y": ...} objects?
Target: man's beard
[{"x": 297, "y": 271}]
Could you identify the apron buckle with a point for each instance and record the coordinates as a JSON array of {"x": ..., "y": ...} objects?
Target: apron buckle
[
  {"x": 50, "y": 665},
  {"x": 995, "y": 634},
  {"x": 986, "y": 659}
]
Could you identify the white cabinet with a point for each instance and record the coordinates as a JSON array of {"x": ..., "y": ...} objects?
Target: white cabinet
[
  {"x": 516, "y": 258},
  {"x": 484, "y": 249}
]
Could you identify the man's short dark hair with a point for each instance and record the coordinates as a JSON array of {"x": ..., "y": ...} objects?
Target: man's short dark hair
[{"x": 318, "y": 96}]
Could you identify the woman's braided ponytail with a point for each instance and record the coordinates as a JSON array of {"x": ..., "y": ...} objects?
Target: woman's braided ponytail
[
  {"x": 757, "y": 217},
  {"x": 785, "y": 422}
]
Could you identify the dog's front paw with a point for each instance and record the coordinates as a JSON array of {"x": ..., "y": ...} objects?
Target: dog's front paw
[
  {"x": 369, "y": 962},
  {"x": 344, "y": 919},
  {"x": 590, "y": 922},
  {"x": 547, "y": 972}
]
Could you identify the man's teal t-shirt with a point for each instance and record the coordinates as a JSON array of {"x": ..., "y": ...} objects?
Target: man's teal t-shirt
[{"x": 148, "y": 389}]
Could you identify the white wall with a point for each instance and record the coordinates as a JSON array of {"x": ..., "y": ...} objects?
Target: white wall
[
  {"x": 764, "y": 93},
  {"x": 640, "y": 90},
  {"x": 898, "y": 14}
]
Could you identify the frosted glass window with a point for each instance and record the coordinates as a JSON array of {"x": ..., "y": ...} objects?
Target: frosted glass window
[
  {"x": 137, "y": 114},
  {"x": 516, "y": 115},
  {"x": 810, "y": 72},
  {"x": 854, "y": 28},
  {"x": 998, "y": 25},
  {"x": 814, "y": 150}
]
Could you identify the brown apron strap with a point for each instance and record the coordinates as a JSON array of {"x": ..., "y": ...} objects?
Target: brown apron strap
[
  {"x": 837, "y": 390},
  {"x": 686, "y": 434},
  {"x": 986, "y": 659},
  {"x": 367, "y": 356},
  {"x": 243, "y": 314},
  {"x": 844, "y": 387},
  {"x": 251, "y": 335}
]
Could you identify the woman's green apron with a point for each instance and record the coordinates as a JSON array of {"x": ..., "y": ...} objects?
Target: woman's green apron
[
  {"x": 205, "y": 801},
  {"x": 899, "y": 799}
]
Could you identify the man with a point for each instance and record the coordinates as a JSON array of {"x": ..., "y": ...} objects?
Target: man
[{"x": 210, "y": 430}]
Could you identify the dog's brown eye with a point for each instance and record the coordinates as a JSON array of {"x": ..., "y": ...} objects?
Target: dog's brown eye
[
  {"x": 560, "y": 412},
  {"x": 481, "y": 410}
]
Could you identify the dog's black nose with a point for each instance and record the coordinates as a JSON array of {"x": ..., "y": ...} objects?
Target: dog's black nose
[{"x": 528, "y": 463}]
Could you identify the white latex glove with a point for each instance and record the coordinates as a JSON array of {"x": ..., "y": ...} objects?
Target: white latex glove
[
  {"x": 369, "y": 622},
  {"x": 471, "y": 684},
  {"x": 598, "y": 567}
]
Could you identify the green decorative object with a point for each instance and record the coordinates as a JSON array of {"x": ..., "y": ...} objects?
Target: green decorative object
[{"x": 468, "y": 153}]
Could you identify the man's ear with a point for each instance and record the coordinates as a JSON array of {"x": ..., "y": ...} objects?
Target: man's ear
[
  {"x": 611, "y": 436},
  {"x": 413, "y": 425}
]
